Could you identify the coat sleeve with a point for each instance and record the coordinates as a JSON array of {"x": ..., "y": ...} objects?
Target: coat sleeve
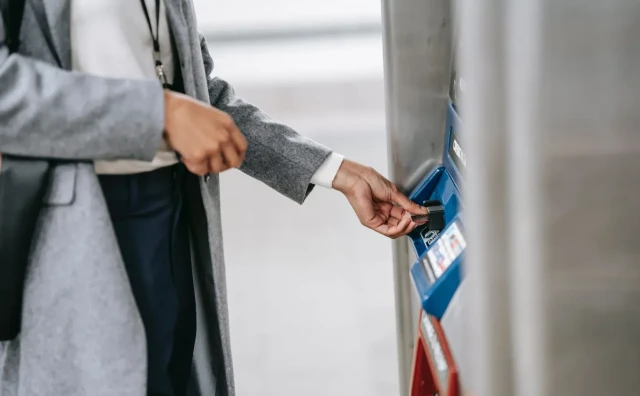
[
  {"x": 276, "y": 154},
  {"x": 48, "y": 112}
]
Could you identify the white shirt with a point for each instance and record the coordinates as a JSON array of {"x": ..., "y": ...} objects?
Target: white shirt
[{"x": 111, "y": 38}]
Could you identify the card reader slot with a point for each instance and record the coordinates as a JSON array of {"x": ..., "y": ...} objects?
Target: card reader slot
[
  {"x": 436, "y": 214},
  {"x": 434, "y": 219}
]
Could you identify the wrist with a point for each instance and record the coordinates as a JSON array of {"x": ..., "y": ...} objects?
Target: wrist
[{"x": 348, "y": 175}]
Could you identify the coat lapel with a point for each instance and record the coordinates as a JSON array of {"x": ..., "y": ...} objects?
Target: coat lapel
[
  {"x": 56, "y": 20},
  {"x": 181, "y": 41}
]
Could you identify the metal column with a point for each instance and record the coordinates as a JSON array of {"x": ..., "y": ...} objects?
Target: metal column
[
  {"x": 553, "y": 197},
  {"x": 417, "y": 47},
  {"x": 487, "y": 269}
]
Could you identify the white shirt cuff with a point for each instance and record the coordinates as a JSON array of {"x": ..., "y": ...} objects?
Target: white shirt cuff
[{"x": 327, "y": 171}]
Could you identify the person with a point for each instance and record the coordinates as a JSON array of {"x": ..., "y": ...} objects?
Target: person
[{"x": 125, "y": 293}]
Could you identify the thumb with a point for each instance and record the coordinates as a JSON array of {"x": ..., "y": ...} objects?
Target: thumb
[
  {"x": 362, "y": 202},
  {"x": 405, "y": 203}
]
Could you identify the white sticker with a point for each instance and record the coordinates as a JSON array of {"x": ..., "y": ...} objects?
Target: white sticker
[
  {"x": 433, "y": 341},
  {"x": 428, "y": 236},
  {"x": 454, "y": 241},
  {"x": 439, "y": 258},
  {"x": 446, "y": 250}
]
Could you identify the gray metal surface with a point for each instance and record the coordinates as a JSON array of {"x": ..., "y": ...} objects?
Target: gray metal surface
[
  {"x": 553, "y": 107},
  {"x": 482, "y": 62},
  {"x": 588, "y": 118},
  {"x": 526, "y": 204},
  {"x": 417, "y": 45},
  {"x": 455, "y": 323}
]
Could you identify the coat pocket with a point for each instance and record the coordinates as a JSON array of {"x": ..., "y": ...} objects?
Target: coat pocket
[{"x": 62, "y": 185}]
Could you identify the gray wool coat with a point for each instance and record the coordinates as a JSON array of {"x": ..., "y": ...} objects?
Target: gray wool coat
[{"x": 81, "y": 331}]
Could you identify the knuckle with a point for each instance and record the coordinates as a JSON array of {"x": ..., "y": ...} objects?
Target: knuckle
[
  {"x": 198, "y": 155},
  {"x": 214, "y": 147},
  {"x": 227, "y": 120},
  {"x": 218, "y": 168},
  {"x": 224, "y": 137},
  {"x": 198, "y": 170}
]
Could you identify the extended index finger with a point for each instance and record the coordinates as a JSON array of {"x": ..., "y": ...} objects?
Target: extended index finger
[{"x": 407, "y": 204}]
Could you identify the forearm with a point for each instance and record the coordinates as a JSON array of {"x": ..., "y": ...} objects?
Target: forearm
[
  {"x": 52, "y": 113},
  {"x": 276, "y": 155}
]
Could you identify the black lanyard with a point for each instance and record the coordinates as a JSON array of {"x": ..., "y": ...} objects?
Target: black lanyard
[{"x": 156, "y": 41}]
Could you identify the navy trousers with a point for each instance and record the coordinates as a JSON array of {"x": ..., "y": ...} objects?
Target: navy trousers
[{"x": 148, "y": 214}]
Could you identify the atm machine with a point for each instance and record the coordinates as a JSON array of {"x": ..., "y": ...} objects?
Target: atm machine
[{"x": 437, "y": 274}]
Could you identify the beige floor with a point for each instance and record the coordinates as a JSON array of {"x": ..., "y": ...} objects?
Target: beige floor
[{"x": 311, "y": 291}]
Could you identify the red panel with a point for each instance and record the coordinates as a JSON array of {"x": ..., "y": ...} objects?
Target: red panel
[
  {"x": 453, "y": 371},
  {"x": 422, "y": 382}
]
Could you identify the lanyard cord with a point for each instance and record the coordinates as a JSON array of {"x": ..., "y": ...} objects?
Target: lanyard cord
[
  {"x": 156, "y": 41},
  {"x": 155, "y": 38}
]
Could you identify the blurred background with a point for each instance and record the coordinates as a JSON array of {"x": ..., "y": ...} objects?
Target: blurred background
[{"x": 310, "y": 291}]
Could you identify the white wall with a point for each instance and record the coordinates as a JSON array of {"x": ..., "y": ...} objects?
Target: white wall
[
  {"x": 215, "y": 15},
  {"x": 310, "y": 290}
]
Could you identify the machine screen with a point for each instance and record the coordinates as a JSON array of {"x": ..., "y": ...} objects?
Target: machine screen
[{"x": 445, "y": 251}]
